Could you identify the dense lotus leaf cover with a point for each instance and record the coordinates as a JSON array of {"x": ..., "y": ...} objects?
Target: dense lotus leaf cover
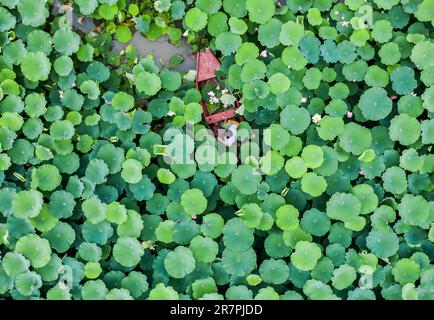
[{"x": 340, "y": 205}]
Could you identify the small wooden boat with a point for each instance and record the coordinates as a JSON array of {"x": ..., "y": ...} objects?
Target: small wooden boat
[{"x": 207, "y": 64}]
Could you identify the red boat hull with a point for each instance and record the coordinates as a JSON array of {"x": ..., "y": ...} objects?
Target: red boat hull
[{"x": 206, "y": 66}]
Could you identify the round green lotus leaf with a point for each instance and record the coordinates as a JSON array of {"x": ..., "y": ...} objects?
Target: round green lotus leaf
[
  {"x": 406, "y": 271},
  {"x": 239, "y": 263},
  {"x": 123, "y": 34},
  {"x": 193, "y": 201},
  {"x": 15, "y": 264},
  {"x": 11, "y": 120},
  {"x": 389, "y": 53},
  {"x": 251, "y": 214},
  {"x": 237, "y": 26},
  {"x": 7, "y": 20},
  {"x": 94, "y": 210},
  {"x": 212, "y": 225},
  {"x": 313, "y": 156},
  {"x": 98, "y": 233},
  {"x": 274, "y": 271},
  {"x": 271, "y": 162},
  {"x": 28, "y": 283},
  {"x": 132, "y": 227},
  {"x": 382, "y": 31},
  {"x": 147, "y": 82},
  {"x": 256, "y": 89},
  {"x": 291, "y": 33},
  {"x": 427, "y": 128},
  {"x": 164, "y": 230},
  {"x": 72, "y": 100},
  {"x": 91, "y": 89},
  {"x": 193, "y": 112},
  {"x": 90, "y": 252},
  {"x": 45, "y": 220},
  {"x": 235, "y": 8},
  {"x": 116, "y": 213},
  {"x": 132, "y": 171},
  {"x": 46, "y": 177},
  {"x": 376, "y": 77},
  {"x": 39, "y": 40},
  {"x": 63, "y": 65},
  {"x": 170, "y": 80},
  {"x": 404, "y": 129},
  {"x": 35, "y": 66},
  {"x": 367, "y": 197},
  {"x": 108, "y": 10},
  {"x": 355, "y": 138},
  {"x": 228, "y": 42},
  {"x": 428, "y": 97},
  {"x": 278, "y": 83},
  {"x": 236, "y": 235},
  {"x": 292, "y": 57},
  {"x": 195, "y": 19},
  {"x": 161, "y": 292},
  {"x": 185, "y": 231},
  {"x": 420, "y": 54},
  {"x": 343, "y": 206},
  {"x": 122, "y": 101},
  {"x": 246, "y": 52},
  {"x": 403, "y": 80},
  {"x": 179, "y": 262},
  {"x": 165, "y": 176},
  {"x": 295, "y": 167},
  {"x": 27, "y": 204},
  {"x": 33, "y": 12},
  {"x": 330, "y": 127},
  {"x": 306, "y": 255},
  {"x": 87, "y": 7},
  {"x": 66, "y": 41},
  {"x": 275, "y": 246},
  {"x": 119, "y": 294},
  {"x": 410, "y": 160},
  {"x": 267, "y": 293},
  {"x": 312, "y": 78},
  {"x": 98, "y": 71},
  {"x": 313, "y": 184},
  {"x": 260, "y": 11},
  {"x": 246, "y": 179},
  {"x": 315, "y": 222},
  {"x": 136, "y": 283},
  {"x": 240, "y": 292},
  {"x": 34, "y": 248},
  {"x": 204, "y": 249},
  {"x": 217, "y": 23},
  {"x": 58, "y": 293},
  {"x": 375, "y": 104},
  {"x": 61, "y": 204},
  {"x": 62, "y": 130},
  {"x": 343, "y": 276},
  {"x": 382, "y": 243},
  {"x": 414, "y": 210},
  {"x": 412, "y": 105},
  {"x": 112, "y": 156},
  {"x": 295, "y": 119},
  {"x": 394, "y": 180},
  {"x": 143, "y": 190},
  {"x": 268, "y": 33},
  {"x": 61, "y": 237},
  {"x": 128, "y": 251},
  {"x": 287, "y": 217}
]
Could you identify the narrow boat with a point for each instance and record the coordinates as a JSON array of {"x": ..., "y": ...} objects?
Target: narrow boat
[{"x": 206, "y": 66}]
